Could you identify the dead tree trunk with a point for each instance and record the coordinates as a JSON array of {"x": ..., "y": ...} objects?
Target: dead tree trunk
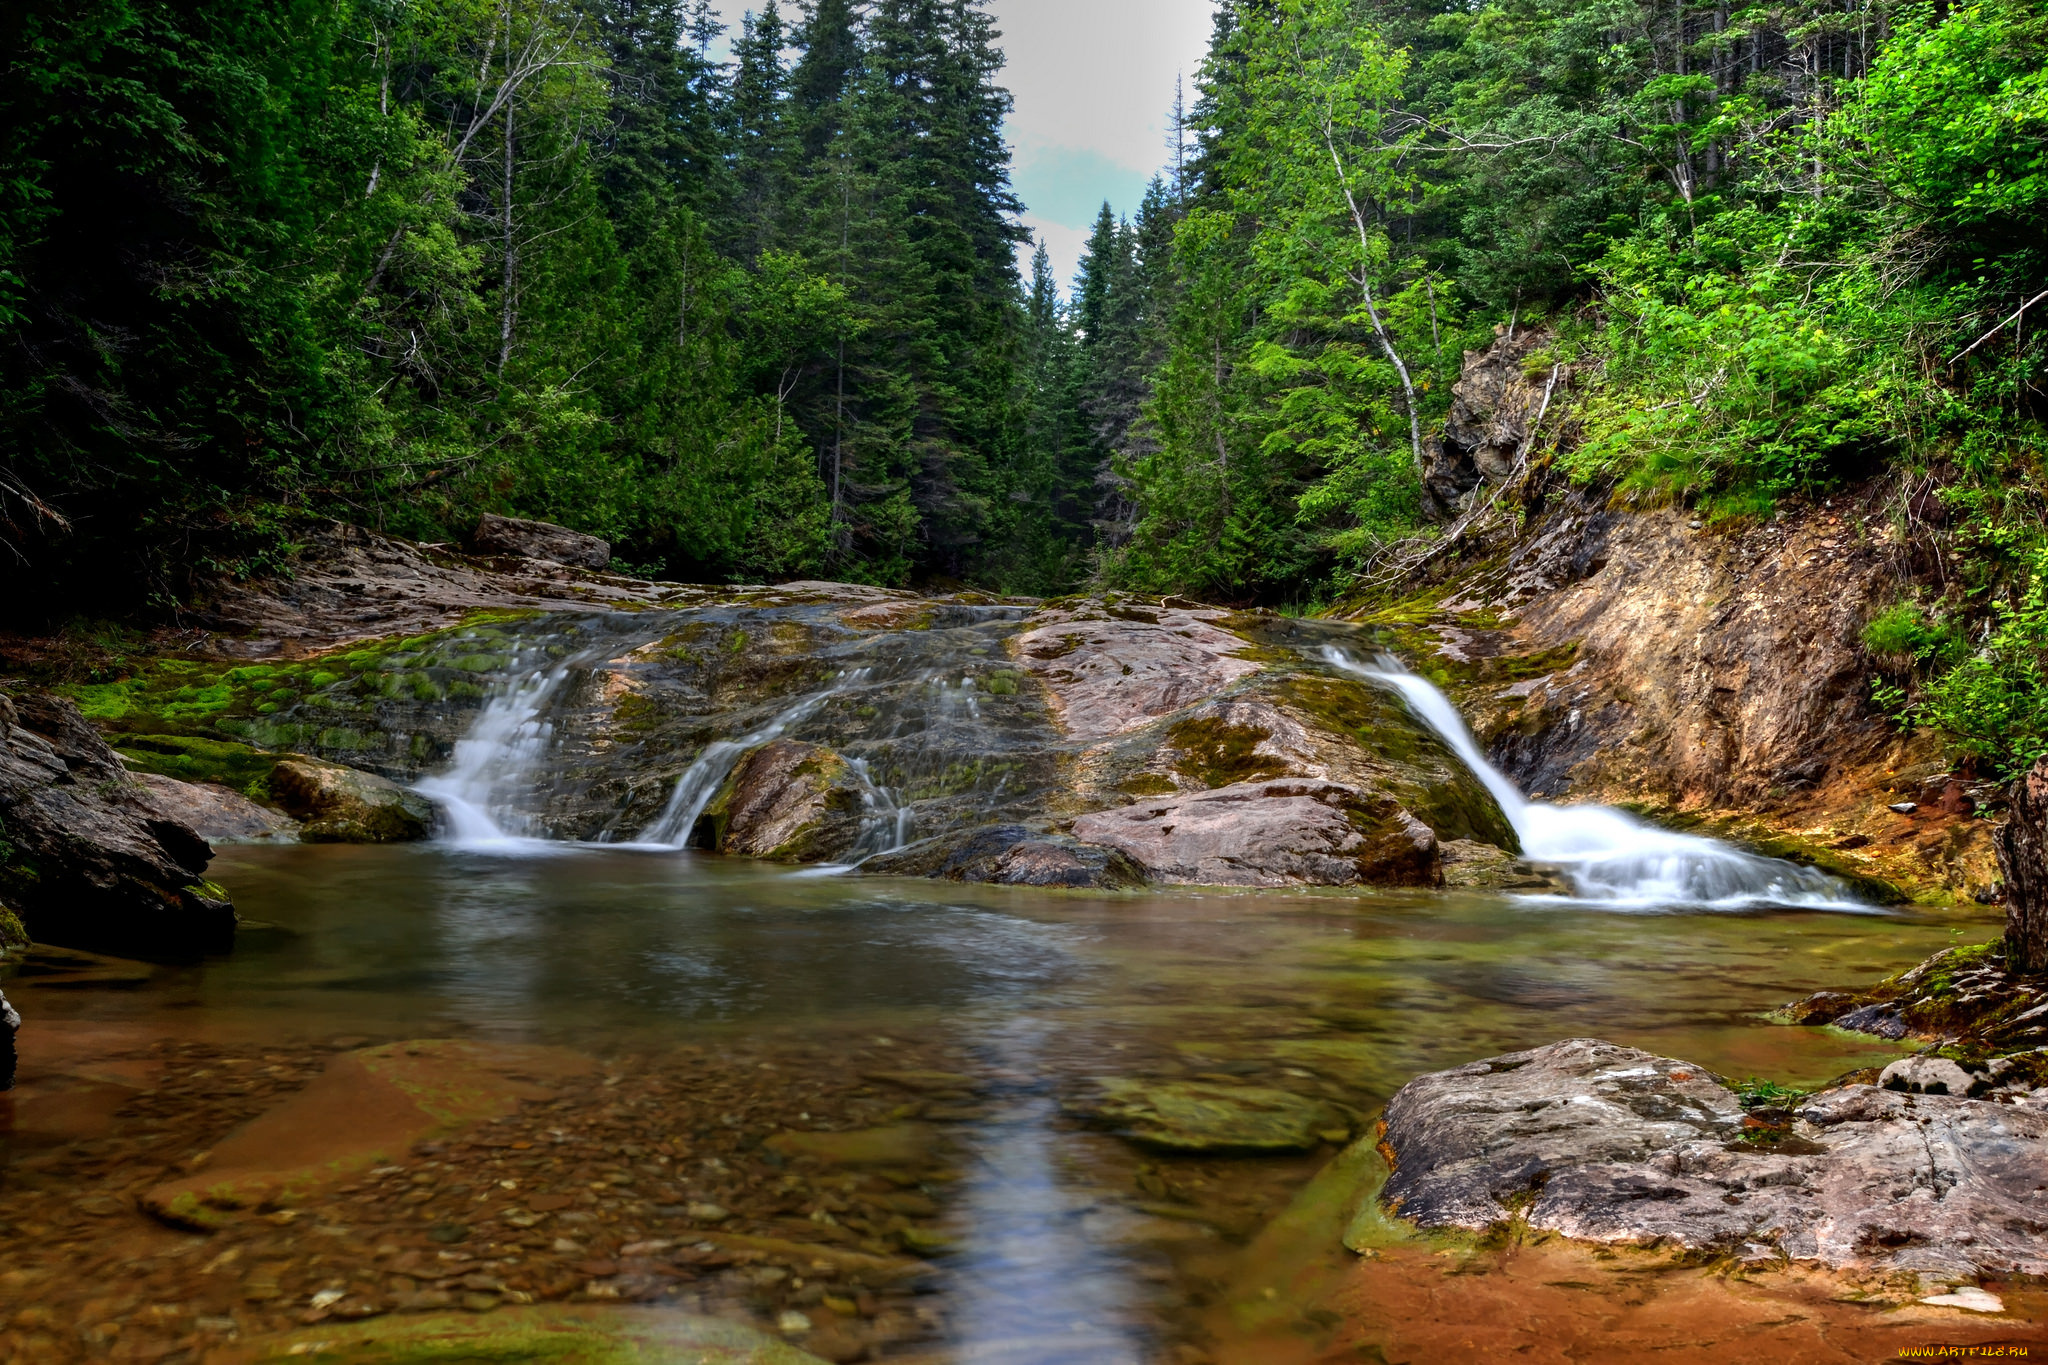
[{"x": 2023, "y": 861}]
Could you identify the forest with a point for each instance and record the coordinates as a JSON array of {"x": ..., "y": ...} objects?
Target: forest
[{"x": 758, "y": 316}]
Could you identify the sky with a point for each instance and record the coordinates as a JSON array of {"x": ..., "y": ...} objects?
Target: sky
[{"x": 1093, "y": 82}]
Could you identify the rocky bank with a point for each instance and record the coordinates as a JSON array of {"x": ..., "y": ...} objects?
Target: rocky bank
[
  {"x": 92, "y": 859},
  {"x": 1610, "y": 1144},
  {"x": 1713, "y": 676}
]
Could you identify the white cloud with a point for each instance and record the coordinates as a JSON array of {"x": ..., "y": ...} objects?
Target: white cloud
[{"x": 1093, "y": 81}]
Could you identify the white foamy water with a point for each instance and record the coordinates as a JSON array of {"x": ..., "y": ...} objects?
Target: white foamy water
[
  {"x": 495, "y": 769},
  {"x": 1610, "y": 856},
  {"x": 702, "y": 779}
]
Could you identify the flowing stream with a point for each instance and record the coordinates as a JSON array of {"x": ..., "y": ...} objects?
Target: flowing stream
[
  {"x": 1611, "y": 857},
  {"x": 853, "y": 1112}
]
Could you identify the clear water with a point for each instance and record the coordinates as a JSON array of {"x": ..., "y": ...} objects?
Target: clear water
[{"x": 1062, "y": 1248}]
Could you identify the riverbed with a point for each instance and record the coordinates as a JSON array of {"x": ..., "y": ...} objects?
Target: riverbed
[{"x": 727, "y": 1035}]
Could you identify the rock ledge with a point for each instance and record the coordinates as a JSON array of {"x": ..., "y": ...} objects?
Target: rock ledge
[{"x": 1611, "y": 1144}]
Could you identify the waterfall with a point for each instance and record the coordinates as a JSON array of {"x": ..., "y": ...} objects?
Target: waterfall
[
  {"x": 1610, "y": 856},
  {"x": 702, "y": 779},
  {"x": 494, "y": 767},
  {"x": 885, "y": 821}
]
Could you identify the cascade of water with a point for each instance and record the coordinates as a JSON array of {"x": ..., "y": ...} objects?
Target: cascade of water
[
  {"x": 1609, "y": 855},
  {"x": 885, "y": 818},
  {"x": 701, "y": 780},
  {"x": 494, "y": 766}
]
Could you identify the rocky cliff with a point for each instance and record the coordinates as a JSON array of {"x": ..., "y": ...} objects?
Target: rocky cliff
[{"x": 1709, "y": 675}]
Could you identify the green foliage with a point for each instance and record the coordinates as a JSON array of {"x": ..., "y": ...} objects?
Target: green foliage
[{"x": 402, "y": 263}]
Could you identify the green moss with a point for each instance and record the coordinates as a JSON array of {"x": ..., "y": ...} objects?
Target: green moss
[
  {"x": 635, "y": 714},
  {"x": 1002, "y": 683},
  {"x": 1214, "y": 753},
  {"x": 12, "y": 935},
  {"x": 194, "y": 758},
  {"x": 1148, "y": 784}
]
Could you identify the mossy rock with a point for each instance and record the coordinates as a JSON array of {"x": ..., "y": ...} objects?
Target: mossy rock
[
  {"x": 12, "y": 934},
  {"x": 1192, "y": 1116},
  {"x": 194, "y": 758},
  {"x": 550, "y": 1335}
]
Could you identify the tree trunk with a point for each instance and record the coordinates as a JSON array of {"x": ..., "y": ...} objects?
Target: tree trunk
[{"x": 2023, "y": 861}]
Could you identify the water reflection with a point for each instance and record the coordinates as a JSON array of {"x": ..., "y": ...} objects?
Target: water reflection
[{"x": 1062, "y": 1247}]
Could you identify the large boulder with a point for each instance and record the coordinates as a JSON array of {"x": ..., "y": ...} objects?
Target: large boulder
[
  {"x": 790, "y": 801},
  {"x": 92, "y": 861},
  {"x": 1280, "y": 833},
  {"x": 345, "y": 806},
  {"x": 498, "y": 535},
  {"x": 218, "y": 814},
  {"x": 1612, "y": 1144}
]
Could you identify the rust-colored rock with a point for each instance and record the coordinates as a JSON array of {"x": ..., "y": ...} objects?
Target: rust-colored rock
[{"x": 367, "y": 1106}]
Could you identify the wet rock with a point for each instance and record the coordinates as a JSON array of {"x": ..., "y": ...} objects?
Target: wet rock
[
  {"x": 1192, "y": 1116},
  {"x": 1964, "y": 996},
  {"x": 1879, "y": 1021},
  {"x": 2023, "y": 863},
  {"x": 789, "y": 801},
  {"x": 1611, "y": 1144},
  {"x": 1063, "y": 862},
  {"x": 1014, "y": 855},
  {"x": 496, "y": 535},
  {"x": 10, "y": 1024},
  {"x": 346, "y": 806},
  {"x": 1474, "y": 866},
  {"x": 1109, "y": 668},
  {"x": 217, "y": 813},
  {"x": 95, "y": 863},
  {"x": 1289, "y": 832}
]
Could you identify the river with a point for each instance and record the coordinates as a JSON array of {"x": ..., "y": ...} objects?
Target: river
[{"x": 719, "y": 1006}]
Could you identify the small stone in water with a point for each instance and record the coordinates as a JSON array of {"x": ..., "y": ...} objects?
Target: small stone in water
[
  {"x": 327, "y": 1298},
  {"x": 792, "y": 1322},
  {"x": 709, "y": 1213},
  {"x": 1904, "y": 807},
  {"x": 1969, "y": 1296}
]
